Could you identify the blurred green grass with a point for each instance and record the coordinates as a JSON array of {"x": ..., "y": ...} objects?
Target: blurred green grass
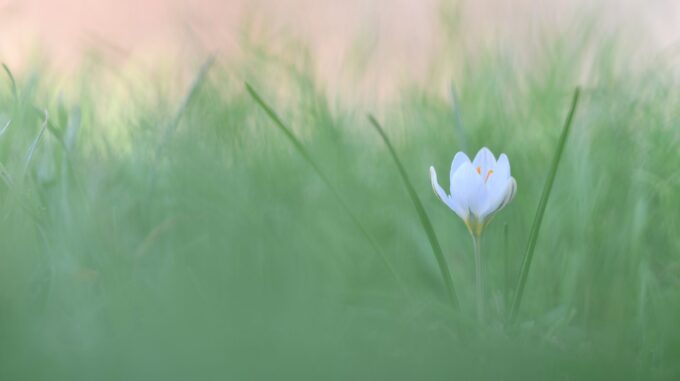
[{"x": 131, "y": 249}]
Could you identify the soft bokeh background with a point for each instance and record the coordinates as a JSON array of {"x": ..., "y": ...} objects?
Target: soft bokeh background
[
  {"x": 396, "y": 39},
  {"x": 156, "y": 224}
]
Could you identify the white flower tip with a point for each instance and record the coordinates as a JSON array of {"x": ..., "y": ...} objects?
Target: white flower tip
[
  {"x": 485, "y": 151},
  {"x": 433, "y": 178},
  {"x": 438, "y": 190},
  {"x": 484, "y": 158}
]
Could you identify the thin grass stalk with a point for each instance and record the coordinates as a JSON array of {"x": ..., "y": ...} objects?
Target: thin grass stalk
[
  {"x": 424, "y": 219},
  {"x": 36, "y": 141},
  {"x": 5, "y": 127},
  {"x": 13, "y": 82},
  {"x": 174, "y": 122},
  {"x": 540, "y": 210},
  {"x": 186, "y": 101},
  {"x": 343, "y": 204}
]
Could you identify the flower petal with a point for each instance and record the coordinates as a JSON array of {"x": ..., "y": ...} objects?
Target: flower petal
[
  {"x": 458, "y": 160},
  {"x": 467, "y": 189},
  {"x": 497, "y": 183},
  {"x": 484, "y": 160},
  {"x": 496, "y": 197},
  {"x": 502, "y": 168},
  {"x": 438, "y": 190},
  {"x": 511, "y": 193},
  {"x": 499, "y": 203},
  {"x": 448, "y": 200}
]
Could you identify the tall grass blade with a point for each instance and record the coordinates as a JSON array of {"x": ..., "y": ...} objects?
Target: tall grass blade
[
  {"x": 5, "y": 127},
  {"x": 15, "y": 93},
  {"x": 6, "y": 177},
  {"x": 424, "y": 219},
  {"x": 174, "y": 122},
  {"x": 36, "y": 141},
  {"x": 540, "y": 211},
  {"x": 186, "y": 101},
  {"x": 308, "y": 158}
]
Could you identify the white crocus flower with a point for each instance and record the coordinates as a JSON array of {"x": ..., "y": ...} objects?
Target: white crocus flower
[{"x": 479, "y": 189}]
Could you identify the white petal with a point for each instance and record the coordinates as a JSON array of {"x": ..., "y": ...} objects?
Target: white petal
[
  {"x": 496, "y": 197},
  {"x": 484, "y": 160},
  {"x": 467, "y": 189},
  {"x": 502, "y": 168},
  {"x": 438, "y": 190},
  {"x": 458, "y": 160},
  {"x": 448, "y": 200},
  {"x": 511, "y": 192},
  {"x": 455, "y": 206},
  {"x": 496, "y": 194},
  {"x": 497, "y": 182},
  {"x": 507, "y": 196}
]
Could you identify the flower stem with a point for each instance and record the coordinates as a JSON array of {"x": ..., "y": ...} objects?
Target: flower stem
[{"x": 478, "y": 278}]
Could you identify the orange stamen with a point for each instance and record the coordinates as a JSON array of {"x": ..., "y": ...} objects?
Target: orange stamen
[
  {"x": 479, "y": 170},
  {"x": 488, "y": 174}
]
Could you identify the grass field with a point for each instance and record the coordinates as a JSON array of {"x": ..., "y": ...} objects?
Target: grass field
[{"x": 151, "y": 229}]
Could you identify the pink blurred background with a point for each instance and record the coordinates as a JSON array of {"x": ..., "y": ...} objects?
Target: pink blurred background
[{"x": 399, "y": 37}]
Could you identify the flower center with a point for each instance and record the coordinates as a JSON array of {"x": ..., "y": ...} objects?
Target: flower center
[{"x": 488, "y": 173}]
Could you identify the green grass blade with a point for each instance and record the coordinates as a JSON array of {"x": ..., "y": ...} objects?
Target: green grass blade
[
  {"x": 308, "y": 158},
  {"x": 174, "y": 123},
  {"x": 11, "y": 79},
  {"x": 540, "y": 211},
  {"x": 186, "y": 101},
  {"x": 36, "y": 141},
  {"x": 424, "y": 219},
  {"x": 289, "y": 134},
  {"x": 5, "y": 127}
]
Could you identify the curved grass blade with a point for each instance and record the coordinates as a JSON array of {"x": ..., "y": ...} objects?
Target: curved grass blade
[
  {"x": 308, "y": 158},
  {"x": 34, "y": 145},
  {"x": 15, "y": 93},
  {"x": 174, "y": 122},
  {"x": 4, "y": 129},
  {"x": 186, "y": 101},
  {"x": 540, "y": 211},
  {"x": 424, "y": 219}
]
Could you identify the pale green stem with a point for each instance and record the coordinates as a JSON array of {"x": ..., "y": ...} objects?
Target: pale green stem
[{"x": 478, "y": 278}]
